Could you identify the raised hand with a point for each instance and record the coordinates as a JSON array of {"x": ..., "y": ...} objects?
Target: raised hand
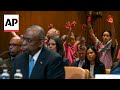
[
  {"x": 83, "y": 26},
  {"x": 69, "y": 25},
  {"x": 73, "y": 23},
  {"x": 13, "y": 33},
  {"x": 50, "y": 26},
  {"x": 89, "y": 19},
  {"x": 109, "y": 19}
]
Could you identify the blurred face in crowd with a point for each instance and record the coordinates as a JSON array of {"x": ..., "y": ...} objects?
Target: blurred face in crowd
[
  {"x": 83, "y": 42},
  {"x": 106, "y": 37},
  {"x": 52, "y": 45},
  {"x": 51, "y": 33},
  {"x": 31, "y": 42},
  {"x": 15, "y": 46},
  {"x": 81, "y": 53},
  {"x": 91, "y": 55}
]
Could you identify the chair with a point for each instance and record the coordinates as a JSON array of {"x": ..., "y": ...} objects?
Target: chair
[
  {"x": 87, "y": 73},
  {"x": 107, "y": 71},
  {"x": 74, "y": 72}
]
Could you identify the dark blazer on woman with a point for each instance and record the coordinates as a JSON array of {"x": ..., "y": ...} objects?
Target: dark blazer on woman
[{"x": 99, "y": 68}]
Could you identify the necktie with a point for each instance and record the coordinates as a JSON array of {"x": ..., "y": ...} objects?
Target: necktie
[
  {"x": 31, "y": 64},
  {"x": 81, "y": 64}
]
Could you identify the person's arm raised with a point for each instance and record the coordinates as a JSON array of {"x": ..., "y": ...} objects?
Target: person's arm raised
[
  {"x": 69, "y": 26},
  {"x": 15, "y": 35},
  {"x": 110, "y": 20},
  {"x": 91, "y": 32},
  {"x": 81, "y": 32}
]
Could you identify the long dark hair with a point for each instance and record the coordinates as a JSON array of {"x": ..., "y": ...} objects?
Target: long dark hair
[
  {"x": 97, "y": 60},
  {"x": 108, "y": 32},
  {"x": 59, "y": 46}
]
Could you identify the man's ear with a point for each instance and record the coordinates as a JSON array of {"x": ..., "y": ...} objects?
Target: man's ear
[{"x": 41, "y": 43}]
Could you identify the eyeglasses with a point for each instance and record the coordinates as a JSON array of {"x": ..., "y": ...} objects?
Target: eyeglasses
[
  {"x": 29, "y": 40},
  {"x": 13, "y": 44}
]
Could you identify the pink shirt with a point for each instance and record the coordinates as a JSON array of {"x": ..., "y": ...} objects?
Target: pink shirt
[
  {"x": 104, "y": 52},
  {"x": 70, "y": 52}
]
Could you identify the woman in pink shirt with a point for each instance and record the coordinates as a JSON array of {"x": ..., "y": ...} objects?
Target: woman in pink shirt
[{"x": 107, "y": 48}]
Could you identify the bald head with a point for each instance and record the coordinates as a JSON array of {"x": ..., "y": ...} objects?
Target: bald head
[
  {"x": 16, "y": 40},
  {"x": 15, "y": 46},
  {"x": 52, "y": 33},
  {"x": 37, "y": 30}
]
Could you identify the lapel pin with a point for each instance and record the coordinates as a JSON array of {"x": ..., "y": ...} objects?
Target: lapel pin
[{"x": 41, "y": 62}]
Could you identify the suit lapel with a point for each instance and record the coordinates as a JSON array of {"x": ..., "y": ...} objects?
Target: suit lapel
[
  {"x": 26, "y": 66},
  {"x": 39, "y": 63}
]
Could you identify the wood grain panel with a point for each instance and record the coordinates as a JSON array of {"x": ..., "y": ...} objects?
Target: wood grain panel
[{"x": 58, "y": 18}]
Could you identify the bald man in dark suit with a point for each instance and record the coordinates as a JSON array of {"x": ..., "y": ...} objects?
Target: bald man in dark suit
[{"x": 47, "y": 64}]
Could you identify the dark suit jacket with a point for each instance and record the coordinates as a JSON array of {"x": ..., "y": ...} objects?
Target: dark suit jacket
[
  {"x": 99, "y": 68},
  {"x": 66, "y": 62},
  {"x": 115, "y": 69},
  {"x": 115, "y": 64},
  {"x": 76, "y": 63},
  {"x": 49, "y": 65}
]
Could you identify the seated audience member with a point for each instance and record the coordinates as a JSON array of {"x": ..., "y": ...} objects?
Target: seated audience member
[
  {"x": 55, "y": 44},
  {"x": 70, "y": 44},
  {"x": 93, "y": 63},
  {"x": 52, "y": 32},
  {"x": 115, "y": 69},
  {"x": 82, "y": 41},
  {"x": 108, "y": 46},
  {"x": 14, "y": 49},
  {"x": 36, "y": 61},
  {"x": 81, "y": 55}
]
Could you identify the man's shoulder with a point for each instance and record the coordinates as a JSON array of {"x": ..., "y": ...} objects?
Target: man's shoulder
[
  {"x": 20, "y": 57},
  {"x": 21, "y": 54},
  {"x": 115, "y": 64}
]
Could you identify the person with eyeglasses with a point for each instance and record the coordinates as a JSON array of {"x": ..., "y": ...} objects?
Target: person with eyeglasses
[
  {"x": 37, "y": 61},
  {"x": 14, "y": 49}
]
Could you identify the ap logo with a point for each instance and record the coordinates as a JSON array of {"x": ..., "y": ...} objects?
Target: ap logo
[{"x": 11, "y": 22}]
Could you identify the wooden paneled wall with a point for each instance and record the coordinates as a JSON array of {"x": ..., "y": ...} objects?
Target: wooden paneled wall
[{"x": 58, "y": 18}]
